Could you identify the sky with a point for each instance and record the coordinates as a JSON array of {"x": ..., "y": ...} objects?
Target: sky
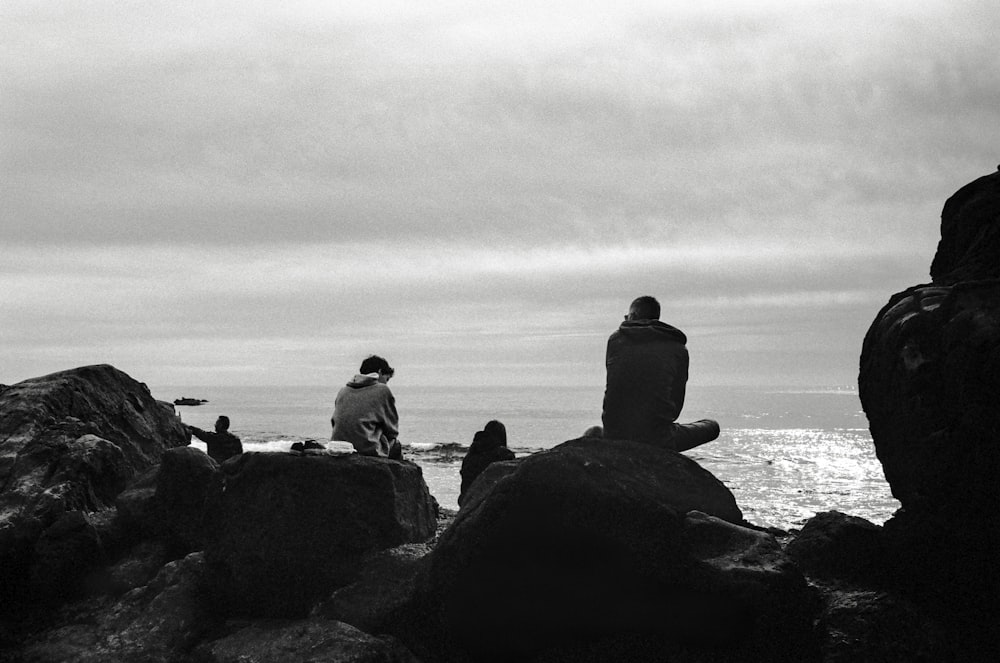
[{"x": 264, "y": 193}]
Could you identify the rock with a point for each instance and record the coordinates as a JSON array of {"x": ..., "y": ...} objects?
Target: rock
[
  {"x": 489, "y": 477},
  {"x": 835, "y": 545},
  {"x": 136, "y": 504},
  {"x": 187, "y": 486},
  {"x": 70, "y": 441},
  {"x": 970, "y": 234},
  {"x": 154, "y": 624},
  {"x": 315, "y": 640},
  {"x": 868, "y": 625},
  {"x": 595, "y": 540},
  {"x": 64, "y": 551},
  {"x": 135, "y": 569},
  {"x": 385, "y": 587},
  {"x": 930, "y": 382},
  {"x": 290, "y": 528}
]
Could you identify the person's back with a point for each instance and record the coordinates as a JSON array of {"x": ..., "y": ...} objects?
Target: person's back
[
  {"x": 364, "y": 412},
  {"x": 220, "y": 444},
  {"x": 647, "y": 373},
  {"x": 488, "y": 446}
]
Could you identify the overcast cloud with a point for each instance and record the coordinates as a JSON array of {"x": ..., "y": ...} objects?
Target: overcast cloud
[{"x": 264, "y": 192}]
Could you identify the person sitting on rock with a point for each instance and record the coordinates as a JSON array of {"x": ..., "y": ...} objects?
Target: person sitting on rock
[
  {"x": 647, "y": 372},
  {"x": 221, "y": 444},
  {"x": 488, "y": 446},
  {"x": 364, "y": 412}
]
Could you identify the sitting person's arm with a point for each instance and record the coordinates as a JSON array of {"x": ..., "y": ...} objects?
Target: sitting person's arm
[{"x": 198, "y": 433}]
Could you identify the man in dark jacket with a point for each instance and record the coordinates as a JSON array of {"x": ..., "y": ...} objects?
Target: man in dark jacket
[
  {"x": 647, "y": 364},
  {"x": 221, "y": 444}
]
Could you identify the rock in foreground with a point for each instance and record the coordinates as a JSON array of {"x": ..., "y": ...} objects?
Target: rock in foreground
[
  {"x": 70, "y": 441},
  {"x": 598, "y": 540},
  {"x": 930, "y": 385},
  {"x": 291, "y": 528}
]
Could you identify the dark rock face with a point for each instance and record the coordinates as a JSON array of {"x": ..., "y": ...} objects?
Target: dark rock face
[
  {"x": 865, "y": 625},
  {"x": 970, "y": 234},
  {"x": 835, "y": 545},
  {"x": 930, "y": 384},
  {"x": 315, "y": 640},
  {"x": 154, "y": 624},
  {"x": 188, "y": 485},
  {"x": 71, "y": 441},
  {"x": 384, "y": 589},
  {"x": 290, "y": 528},
  {"x": 597, "y": 540}
]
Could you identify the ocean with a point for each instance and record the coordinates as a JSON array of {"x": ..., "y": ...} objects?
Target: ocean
[{"x": 786, "y": 453}]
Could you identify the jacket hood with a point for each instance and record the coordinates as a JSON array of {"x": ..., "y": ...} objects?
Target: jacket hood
[
  {"x": 651, "y": 330},
  {"x": 363, "y": 380},
  {"x": 493, "y": 435}
]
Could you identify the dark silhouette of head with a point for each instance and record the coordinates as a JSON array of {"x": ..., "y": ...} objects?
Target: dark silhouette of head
[
  {"x": 222, "y": 423},
  {"x": 644, "y": 308},
  {"x": 498, "y": 431},
  {"x": 376, "y": 364}
]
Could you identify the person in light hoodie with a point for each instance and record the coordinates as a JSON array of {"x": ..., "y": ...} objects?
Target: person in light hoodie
[{"x": 364, "y": 412}]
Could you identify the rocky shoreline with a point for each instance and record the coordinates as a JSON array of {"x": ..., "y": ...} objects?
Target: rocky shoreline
[{"x": 118, "y": 542}]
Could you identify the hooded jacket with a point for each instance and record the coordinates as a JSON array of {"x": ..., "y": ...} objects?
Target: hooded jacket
[
  {"x": 647, "y": 372},
  {"x": 364, "y": 414},
  {"x": 488, "y": 446}
]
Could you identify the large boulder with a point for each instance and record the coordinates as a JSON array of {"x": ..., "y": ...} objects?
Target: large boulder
[
  {"x": 71, "y": 441},
  {"x": 838, "y": 546},
  {"x": 930, "y": 382},
  {"x": 599, "y": 540},
  {"x": 291, "y": 528},
  {"x": 383, "y": 591},
  {"x": 174, "y": 501}
]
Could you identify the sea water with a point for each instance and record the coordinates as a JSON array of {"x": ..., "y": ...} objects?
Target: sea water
[{"x": 786, "y": 453}]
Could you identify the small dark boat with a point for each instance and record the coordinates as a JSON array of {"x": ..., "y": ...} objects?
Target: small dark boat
[{"x": 189, "y": 401}]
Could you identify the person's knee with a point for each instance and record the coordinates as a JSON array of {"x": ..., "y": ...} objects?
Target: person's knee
[{"x": 711, "y": 428}]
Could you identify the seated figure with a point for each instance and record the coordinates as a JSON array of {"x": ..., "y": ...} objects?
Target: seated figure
[{"x": 488, "y": 446}]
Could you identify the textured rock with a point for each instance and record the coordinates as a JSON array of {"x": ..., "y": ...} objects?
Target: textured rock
[
  {"x": 970, "y": 234},
  {"x": 313, "y": 640},
  {"x": 187, "y": 486},
  {"x": 598, "y": 540},
  {"x": 154, "y": 624},
  {"x": 384, "y": 589},
  {"x": 930, "y": 384},
  {"x": 65, "y": 549},
  {"x": 71, "y": 441},
  {"x": 291, "y": 528},
  {"x": 835, "y": 545},
  {"x": 874, "y": 626}
]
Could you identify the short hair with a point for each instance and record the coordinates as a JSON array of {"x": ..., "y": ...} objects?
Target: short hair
[
  {"x": 376, "y": 364},
  {"x": 224, "y": 420},
  {"x": 646, "y": 308}
]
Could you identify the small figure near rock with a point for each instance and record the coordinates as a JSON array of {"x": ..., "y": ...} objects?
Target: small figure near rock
[
  {"x": 221, "y": 444},
  {"x": 364, "y": 412},
  {"x": 647, "y": 372},
  {"x": 488, "y": 446}
]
